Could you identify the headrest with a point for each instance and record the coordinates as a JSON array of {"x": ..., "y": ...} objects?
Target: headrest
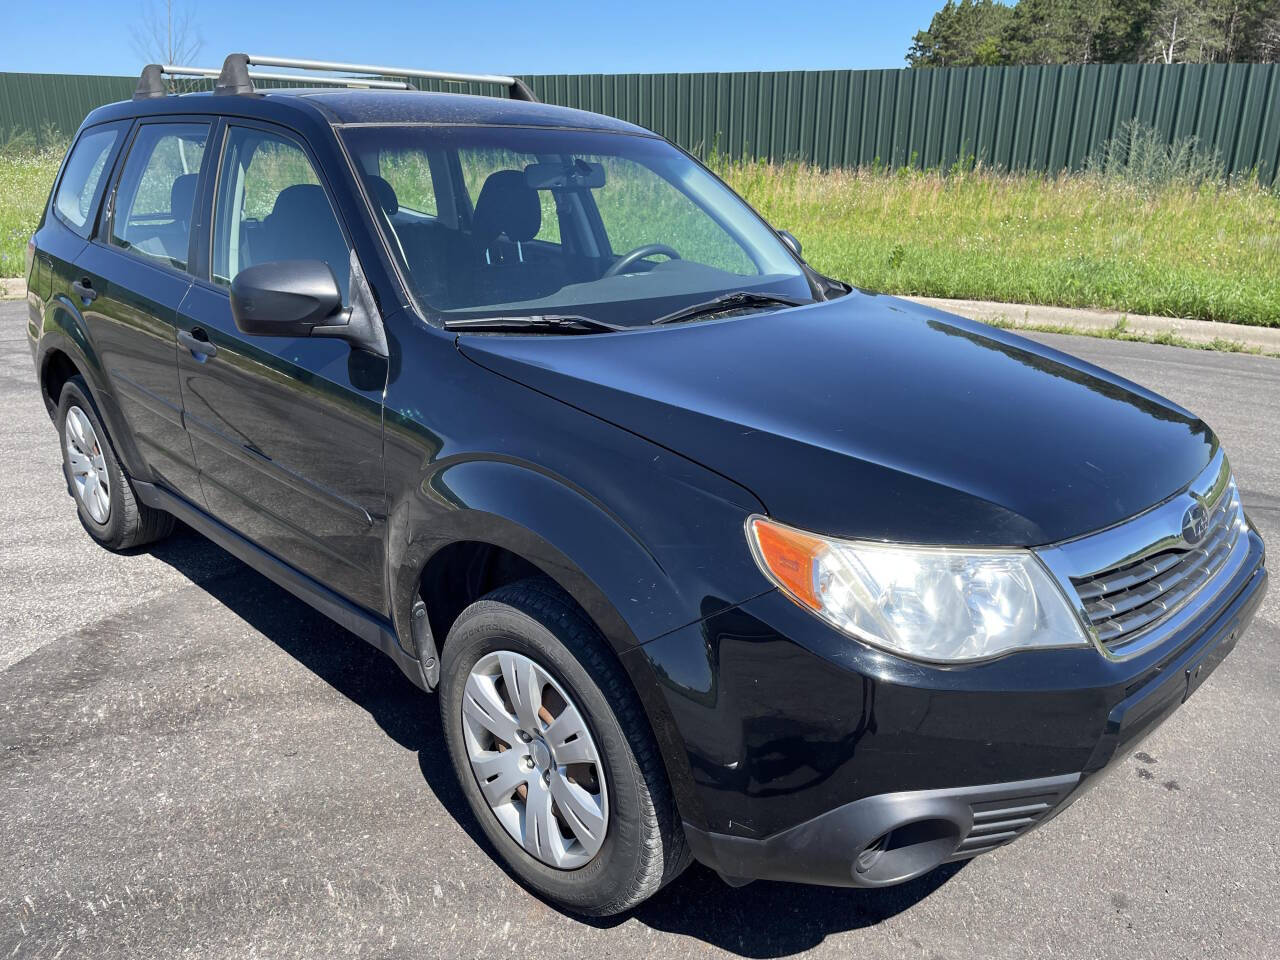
[
  {"x": 300, "y": 202},
  {"x": 182, "y": 196},
  {"x": 384, "y": 194},
  {"x": 506, "y": 205}
]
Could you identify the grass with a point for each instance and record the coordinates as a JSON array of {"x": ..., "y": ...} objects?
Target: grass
[
  {"x": 25, "y": 176},
  {"x": 1209, "y": 252},
  {"x": 1121, "y": 331},
  {"x": 1204, "y": 251}
]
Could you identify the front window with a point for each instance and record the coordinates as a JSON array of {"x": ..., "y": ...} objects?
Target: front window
[
  {"x": 271, "y": 206},
  {"x": 509, "y": 221}
]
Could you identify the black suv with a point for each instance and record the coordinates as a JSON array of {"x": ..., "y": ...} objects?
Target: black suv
[{"x": 706, "y": 555}]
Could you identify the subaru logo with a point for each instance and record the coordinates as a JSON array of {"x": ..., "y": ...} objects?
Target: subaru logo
[{"x": 1195, "y": 523}]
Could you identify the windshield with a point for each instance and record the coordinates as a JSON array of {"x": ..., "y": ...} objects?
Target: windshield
[{"x": 509, "y": 221}]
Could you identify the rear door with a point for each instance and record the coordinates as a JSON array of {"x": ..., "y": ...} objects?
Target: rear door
[
  {"x": 135, "y": 272},
  {"x": 287, "y": 432}
]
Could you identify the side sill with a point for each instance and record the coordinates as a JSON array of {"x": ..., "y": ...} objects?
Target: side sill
[{"x": 368, "y": 627}]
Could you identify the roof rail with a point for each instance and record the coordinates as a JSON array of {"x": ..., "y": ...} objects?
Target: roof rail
[
  {"x": 175, "y": 70},
  {"x": 235, "y": 77}
]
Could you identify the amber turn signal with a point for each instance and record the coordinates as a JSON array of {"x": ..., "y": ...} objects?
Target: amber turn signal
[{"x": 788, "y": 555}]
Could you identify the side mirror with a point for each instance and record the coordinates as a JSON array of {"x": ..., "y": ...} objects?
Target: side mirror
[
  {"x": 789, "y": 239},
  {"x": 288, "y": 298}
]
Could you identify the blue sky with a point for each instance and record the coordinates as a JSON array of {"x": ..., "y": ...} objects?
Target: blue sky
[{"x": 578, "y": 36}]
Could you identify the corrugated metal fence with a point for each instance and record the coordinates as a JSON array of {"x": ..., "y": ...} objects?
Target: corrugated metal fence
[{"x": 1044, "y": 118}]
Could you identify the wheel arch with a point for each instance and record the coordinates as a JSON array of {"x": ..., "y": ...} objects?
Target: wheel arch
[
  {"x": 507, "y": 521},
  {"x": 55, "y": 370},
  {"x": 65, "y": 350}
]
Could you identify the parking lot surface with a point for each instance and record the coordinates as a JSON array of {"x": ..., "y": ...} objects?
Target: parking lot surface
[{"x": 194, "y": 763}]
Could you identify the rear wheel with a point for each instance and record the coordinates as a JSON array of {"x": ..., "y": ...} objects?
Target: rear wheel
[
  {"x": 554, "y": 754},
  {"x": 108, "y": 507}
]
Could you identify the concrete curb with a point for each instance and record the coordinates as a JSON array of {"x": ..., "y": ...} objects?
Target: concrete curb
[
  {"x": 13, "y": 288},
  {"x": 1266, "y": 339}
]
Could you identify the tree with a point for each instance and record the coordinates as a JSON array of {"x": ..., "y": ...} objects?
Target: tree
[
  {"x": 166, "y": 33},
  {"x": 961, "y": 34},
  {"x": 972, "y": 32},
  {"x": 1067, "y": 31},
  {"x": 1182, "y": 31},
  {"x": 1266, "y": 36}
]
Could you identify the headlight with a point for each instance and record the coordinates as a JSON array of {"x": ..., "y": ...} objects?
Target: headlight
[{"x": 932, "y": 603}]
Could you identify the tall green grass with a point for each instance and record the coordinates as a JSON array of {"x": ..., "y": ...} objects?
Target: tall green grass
[
  {"x": 1175, "y": 246},
  {"x": 1208, "y": 251},
  {"x": 26, "y": 172}
]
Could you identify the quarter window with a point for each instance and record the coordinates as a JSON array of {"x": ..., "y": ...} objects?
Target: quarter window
[
  {"x": 74, "y": 201},
  {"x": 270, "y": 207},
  {"x": 157, "y": 193}
]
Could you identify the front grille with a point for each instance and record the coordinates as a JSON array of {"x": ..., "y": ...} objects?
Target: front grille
[{"x": 1138, "y": 595}]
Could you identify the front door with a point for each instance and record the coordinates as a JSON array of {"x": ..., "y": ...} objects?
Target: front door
[{"x": 287, "y": 432}]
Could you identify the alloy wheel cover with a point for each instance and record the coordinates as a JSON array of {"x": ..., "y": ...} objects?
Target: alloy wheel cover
[
  {"x": 87, "y": 465},
  {"x": 535, "y": 760}
]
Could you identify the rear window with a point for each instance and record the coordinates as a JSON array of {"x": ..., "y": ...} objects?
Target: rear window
[
  {"x": 78, "y": 189},
  {"x": 156, "y": 196}
]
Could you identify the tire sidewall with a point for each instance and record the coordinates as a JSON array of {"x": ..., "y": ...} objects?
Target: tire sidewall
[
  {"x": 487, "y": 627},
  {"x": 75, "y": 393}
]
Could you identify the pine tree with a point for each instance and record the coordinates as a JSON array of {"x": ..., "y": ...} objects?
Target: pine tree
[{"x": 970, "y": 32}]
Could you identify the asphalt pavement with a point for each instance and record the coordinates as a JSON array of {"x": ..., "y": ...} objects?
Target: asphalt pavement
[{"x": 196, "y": 764}]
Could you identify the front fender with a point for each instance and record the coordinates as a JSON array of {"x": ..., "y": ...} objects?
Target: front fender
[
  {"x": 645, "y": 540},
  {"x": 547, "y": 522},
  {"x": 632, "y": 590}
]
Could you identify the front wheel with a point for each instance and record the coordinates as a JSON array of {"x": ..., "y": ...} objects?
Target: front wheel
[{"x": 554, "y": 754}]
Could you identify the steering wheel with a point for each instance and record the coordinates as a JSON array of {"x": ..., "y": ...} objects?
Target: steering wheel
[{"x": 631, "y": 257}]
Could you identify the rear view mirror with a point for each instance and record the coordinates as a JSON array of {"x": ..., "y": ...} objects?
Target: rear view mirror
[
  {"x": 288, "y": 298},
  {"x": 789, "y": 239},
  {"x": 562, "y": 176}
]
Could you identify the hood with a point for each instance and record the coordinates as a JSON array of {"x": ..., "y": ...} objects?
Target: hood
[{"x": 869, "y": 416}]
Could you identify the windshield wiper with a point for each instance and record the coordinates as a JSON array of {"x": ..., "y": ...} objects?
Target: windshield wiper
[
  {"x": 536, "y": 323},
  {"x": 731, "y": 301}
]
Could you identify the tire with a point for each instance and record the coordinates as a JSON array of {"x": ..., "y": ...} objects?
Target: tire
[
  {"x": 643, "y": 845},
  {"x": 117, "y": 520}
]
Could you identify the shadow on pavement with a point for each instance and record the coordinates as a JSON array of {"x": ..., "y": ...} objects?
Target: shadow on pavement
[
  {"x": 768, "y": 920},
  {"x": 760, "y": 920}
]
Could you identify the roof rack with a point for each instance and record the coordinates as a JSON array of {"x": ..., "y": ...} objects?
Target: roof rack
[{"x": 235, "y": 77}]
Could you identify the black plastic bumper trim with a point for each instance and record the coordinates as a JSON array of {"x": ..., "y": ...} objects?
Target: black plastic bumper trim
[{"x": 925, "y": 828}]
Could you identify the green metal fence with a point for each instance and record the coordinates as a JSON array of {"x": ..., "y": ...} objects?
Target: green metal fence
[{"x": 1042, "y": 118}]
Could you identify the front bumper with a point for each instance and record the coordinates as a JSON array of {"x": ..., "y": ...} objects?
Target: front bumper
[{"x": 816, "y": 759}]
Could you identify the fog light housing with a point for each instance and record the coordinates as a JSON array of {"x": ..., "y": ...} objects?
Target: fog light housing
[{"x": 871, "y": 853}]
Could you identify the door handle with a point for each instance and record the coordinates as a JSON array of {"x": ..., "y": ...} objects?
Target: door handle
[
  {"x": 197, "y": 341},
  {"x": 84, "y": 289}
]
